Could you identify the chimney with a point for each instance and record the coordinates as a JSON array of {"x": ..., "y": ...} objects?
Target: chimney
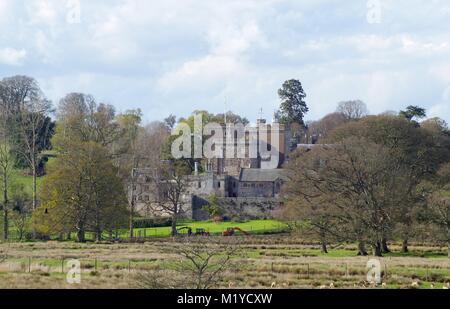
[{"x": 196, "y": 168}]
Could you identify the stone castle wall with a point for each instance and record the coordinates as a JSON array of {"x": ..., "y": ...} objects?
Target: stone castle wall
[{"x": 240, "y": 208}]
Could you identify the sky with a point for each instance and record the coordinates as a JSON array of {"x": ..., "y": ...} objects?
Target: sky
[{"x": 176, "y": 56}]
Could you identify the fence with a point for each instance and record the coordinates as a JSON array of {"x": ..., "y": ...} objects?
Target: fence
[
  {"x": 336, "y": 271},
  {"x": 141, "y": 234}
]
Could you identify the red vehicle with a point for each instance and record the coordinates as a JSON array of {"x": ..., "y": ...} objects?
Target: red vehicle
[{"x": 232, "y": 230}]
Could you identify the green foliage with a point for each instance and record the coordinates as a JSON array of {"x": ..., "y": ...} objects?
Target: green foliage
[
  {"x": 140, "y": 223},
  {"x": 293, "y": 106},
  {"x": 82, "y": 191},
  {"x": 413, "y": 112},
  {"x": 213, "y": 208}
]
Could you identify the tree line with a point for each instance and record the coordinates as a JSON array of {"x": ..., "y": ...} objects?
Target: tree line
[{"x": 372, "y": 179}]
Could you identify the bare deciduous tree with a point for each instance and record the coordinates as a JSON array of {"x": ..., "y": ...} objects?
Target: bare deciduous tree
[
  {"x": 29, "y": 110},
  {"x": 438, "y": 192},
  {"x": 202, "y": 265},
  {"x": 170, "y": 182},
  {"x": 6, "y": 166},
  {"x": 352, "y": 110},
  {"x": 348, "y": 190},
  {"x": 319, "y": 130}
]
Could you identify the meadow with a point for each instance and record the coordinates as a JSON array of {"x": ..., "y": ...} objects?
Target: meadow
[
  {"x": 269, "y": 258},
  {"x": 265, "y": 261}
]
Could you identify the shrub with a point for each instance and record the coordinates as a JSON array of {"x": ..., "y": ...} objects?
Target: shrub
[{"x": 141, "y": 223}]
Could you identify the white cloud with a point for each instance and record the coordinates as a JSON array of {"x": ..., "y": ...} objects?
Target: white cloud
[
  {"x": 173, "y": 56},
  {"x": 5, "y": 11},
  {"x": 442, "y": 108},
  {"x": 43, "y": 11},
  {"x": 11, "y": 56}
]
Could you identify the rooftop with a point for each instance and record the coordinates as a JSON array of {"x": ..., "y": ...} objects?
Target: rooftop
[{"x": 268, "y": 175}]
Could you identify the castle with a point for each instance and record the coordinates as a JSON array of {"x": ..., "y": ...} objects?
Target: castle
[{"x": 243, "y": 187}]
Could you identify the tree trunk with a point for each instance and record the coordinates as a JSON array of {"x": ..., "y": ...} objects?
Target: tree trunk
[
  {"x": 21, "y": 232},
  {"x": 362, "y": 248},
  {"x": 5, "y": 223},
  {"x": 98, "y": 235},
  {"x": 5, "y": 207},
  {"x": 34, "y": 186},
  {"x": 323, "y": 241},
  {"x": 130, "y": 219},
  {"x": 448, "y": 253},
  {"x": 34, "y": 205},
  {"x": 80, "y": 235},
  {"x": 324, "y": 247},
  {"x": 377, "y": 249},
  {"x": 384, "y": 246},
  {"x": 448, "y": 237},
  {"x": 98, "y": 229},
  {"x": 174, "y": 225},
  {"x": 405, "y": 246}
]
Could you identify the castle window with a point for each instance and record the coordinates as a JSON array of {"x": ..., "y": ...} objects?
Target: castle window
[
  {"x": 218, "y": 184},
  {"x": 199, "y": 184}
]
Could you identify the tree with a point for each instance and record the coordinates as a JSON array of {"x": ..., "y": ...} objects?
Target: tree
[
  {"x": 293, "y": 106},
  {"x": 128, "y": 155},
  {"x": 82, "y": 192},
  {"x": 80, "y": 117},
  {"x": 413, "y": 112},
  {"x": 171, "y": 185},
  {"x": 29, "y": 110},
  {"x": 20, "y": 216},
  {"x": 347, "y": 189},
  {"x": 352, "y": 110},
  {"x": 415, "y": 151},
  {"x": 437, "y": 191},
  {"x": 213, "y": 208},
  {"x": 437, "y": 126},
  {"x": 320, "y": 129},
  {"x": 170, "y": 121},
  {"x": 6, "y": 164},
  {"x": 201, "y": 265}
]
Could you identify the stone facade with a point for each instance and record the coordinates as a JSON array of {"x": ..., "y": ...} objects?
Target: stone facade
[
  {"x": 241, "y": 208},
  {"x": 244, "y": 188}
]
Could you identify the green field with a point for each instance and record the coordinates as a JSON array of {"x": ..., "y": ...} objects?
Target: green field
[
  {"x": 254, "y": 227},
  {"x": 20, "y": 179}
]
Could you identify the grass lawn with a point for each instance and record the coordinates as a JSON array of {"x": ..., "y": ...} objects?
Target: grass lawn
[
  {"x": 214, "y": 228},
  {"x": 21, "y": 178}
]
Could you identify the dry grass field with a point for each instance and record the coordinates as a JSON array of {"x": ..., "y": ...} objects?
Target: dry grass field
[{"x": 277, "y": 261}]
